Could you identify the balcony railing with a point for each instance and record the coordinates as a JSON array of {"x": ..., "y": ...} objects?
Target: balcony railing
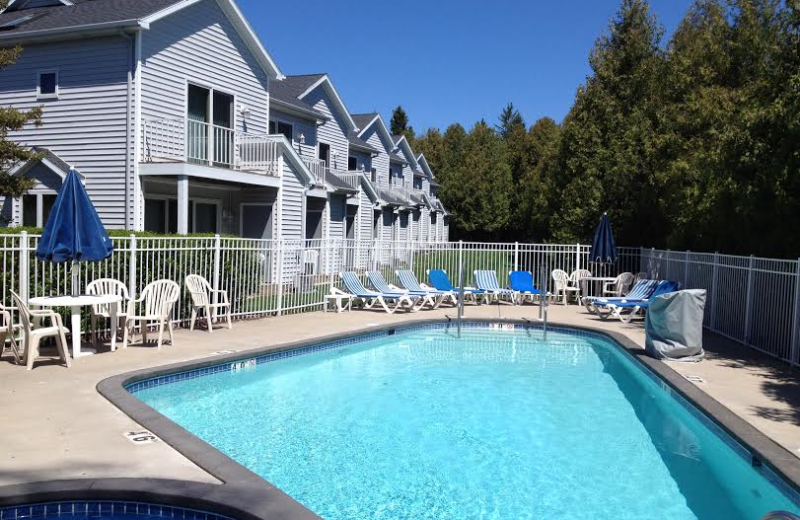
[
  {"x": 352, "y": 178},
  {"x": 185, "y": 140},
  {"x": 318, "y": 169}
]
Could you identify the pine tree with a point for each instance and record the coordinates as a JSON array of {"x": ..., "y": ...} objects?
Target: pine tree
[
  {"x": 12, "y": 153},
  {"x": 399, "y": 124},
  {"x": 510, "y": 119},
  {"x": 479, "y": 193}
]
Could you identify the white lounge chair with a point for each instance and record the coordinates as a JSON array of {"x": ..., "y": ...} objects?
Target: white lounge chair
[
  {"x": 357, "y": 291},
  {"x": 202, "y": 296},
  {"x": 32, "y": 336},
  {"x": 8, "y": 332},
  {"x": 487, "y": 281},
  {"x": 107, "y": 286},
  {"x": 155, "y": 304}
]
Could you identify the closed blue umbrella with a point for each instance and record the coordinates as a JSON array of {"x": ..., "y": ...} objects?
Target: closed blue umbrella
[
  {"x": 603, "y": 247},
  {"x": 74, "y": 232}
]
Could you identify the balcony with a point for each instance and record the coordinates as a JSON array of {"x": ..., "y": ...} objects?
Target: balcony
[
  {"x": 196, "y": 142},
  {"x": 318, "y": 168},
  {"x": 352, "y": 178}
]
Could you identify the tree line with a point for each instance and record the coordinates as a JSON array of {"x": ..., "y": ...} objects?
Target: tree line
[{"x": 690, "y": 143}]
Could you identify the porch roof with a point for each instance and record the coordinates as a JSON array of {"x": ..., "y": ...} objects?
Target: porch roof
[{"x": 198, "y": 171}]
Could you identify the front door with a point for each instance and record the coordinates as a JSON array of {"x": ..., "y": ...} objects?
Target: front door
[{"x": 325, "y": 154}]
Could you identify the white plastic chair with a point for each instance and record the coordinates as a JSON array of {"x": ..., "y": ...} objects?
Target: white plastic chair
[
  {"x": 620, "y": 286},
  {"x": 31, "y": 337},
  {"x": 561, "y": 286},
  {"x": 575, "y": 280},
  {"x": 202, "y": 292},
  {"x": 8, "y": 331},
  {"x": 107, "y": 286},
  {"x": 154, "y": 304}
]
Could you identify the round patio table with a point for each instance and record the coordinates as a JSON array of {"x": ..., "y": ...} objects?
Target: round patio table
[
  {"x": 596, "y": 282},
  {"x": 75, "y": 303}
]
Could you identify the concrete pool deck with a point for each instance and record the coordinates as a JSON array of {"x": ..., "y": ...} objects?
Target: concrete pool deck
[{"x": 58, "y": 427}]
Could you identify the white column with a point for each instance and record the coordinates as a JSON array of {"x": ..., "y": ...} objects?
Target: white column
[{"x": 183, "y": 205}]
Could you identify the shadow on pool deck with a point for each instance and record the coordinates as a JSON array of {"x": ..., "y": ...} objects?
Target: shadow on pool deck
[{"x": 778, "y": 380}]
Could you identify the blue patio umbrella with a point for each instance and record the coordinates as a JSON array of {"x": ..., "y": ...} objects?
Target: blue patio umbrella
[
  {"x": 603, "y": 247},
  {"x": 74, "y": 232}
]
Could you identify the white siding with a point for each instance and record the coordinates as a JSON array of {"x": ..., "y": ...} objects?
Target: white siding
[
  {"x": 200, "y": 45},
  {"x": 415, "y": 220},
  {"x": 300, "y": 126},
  {"x": 334, "y": 131},
  {"x": 86, "y": 125},
  {"x": 292, "y": 204},
  {"x": 381, "y": 162}
]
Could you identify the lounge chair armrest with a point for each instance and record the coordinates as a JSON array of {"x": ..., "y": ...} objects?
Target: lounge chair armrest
[
  {"x": 427, "y": 287},
  {"x": 338, "y": 292}
]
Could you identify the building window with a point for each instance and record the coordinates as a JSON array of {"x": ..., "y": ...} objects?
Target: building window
[
  {"x": 47, "y": 86},
  {"x": 374, "y": 175},
  {"x": 36, "y": 209},
  {"x": 417, "y": 183},
  {"x": 161, "y": 216},
  {"x": 205, "y": 217},
  {"x": 352, "y": 164},
  {"x": 279, "y": 127}
]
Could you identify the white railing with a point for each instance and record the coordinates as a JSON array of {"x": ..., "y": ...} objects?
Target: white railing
[
  {"x": 186, "y": 140},
  {"x": 352, "y": 178},
  {"x": 755, "y": 301},
  {"x": 318, "y": 169}
]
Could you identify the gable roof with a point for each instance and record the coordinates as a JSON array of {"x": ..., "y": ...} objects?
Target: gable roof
[
  {"x": 360, "y": 144},
  {"x": 314, "y": 81},
  {"x": 93, "y": 16},
  {"x": 426, "y": 168},
  {"x": 401, "y": 142},
  {"x": 367, "y": 121},
  {"x": 285, "y": 94},
  {"x": 48, "y": 158}
]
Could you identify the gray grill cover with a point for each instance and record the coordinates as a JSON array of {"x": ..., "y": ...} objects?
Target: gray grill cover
[{"x": 674, "y": 326}]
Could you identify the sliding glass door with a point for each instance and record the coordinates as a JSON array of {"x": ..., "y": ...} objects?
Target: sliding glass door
[{"x": 209, "y": 127}]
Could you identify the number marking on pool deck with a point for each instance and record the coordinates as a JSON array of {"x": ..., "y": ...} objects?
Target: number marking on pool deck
[{"x": 141, "y": 437}]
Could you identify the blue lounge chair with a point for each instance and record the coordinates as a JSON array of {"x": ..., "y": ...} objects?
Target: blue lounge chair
[
  {"x": 487, "y": 281},
  {"x": 409, "y": 281},
  {"x": 380, "y": 284},
  {"x": 521, "y": 282},
  {"x": 441, "y": 282},
  {"x": 618, "y": 309},
  {"x": 357, "y": 291},
  {"x": 642, "y": 291}
]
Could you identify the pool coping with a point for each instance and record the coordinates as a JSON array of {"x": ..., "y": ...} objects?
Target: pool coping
[{"x": 244, "y": 494}]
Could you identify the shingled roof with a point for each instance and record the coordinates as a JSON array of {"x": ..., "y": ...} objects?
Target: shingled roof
[
  {"x": 82, "y": 13},
  {"x": 289, "y": 90}
]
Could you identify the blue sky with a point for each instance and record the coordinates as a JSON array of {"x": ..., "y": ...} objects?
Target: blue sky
[{"x": 445, "y": 61}]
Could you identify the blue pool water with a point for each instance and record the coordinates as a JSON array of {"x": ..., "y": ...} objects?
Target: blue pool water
[{"x": 496, "y": 425}]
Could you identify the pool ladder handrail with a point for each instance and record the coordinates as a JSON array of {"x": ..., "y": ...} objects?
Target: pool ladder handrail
[{"x": 780, "y": 515}]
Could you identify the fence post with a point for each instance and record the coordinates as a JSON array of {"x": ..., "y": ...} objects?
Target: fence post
[
  {"x": 516, "y": 256},
  {"x": 132, "y": 269},
  {"x": 279, "y": 302},
  {"x": 795, "y": 348},
  {"x": 24, "y": 266},
  {"x": 714, "y": 283},
  {"x": 748, "y": 321},
  {"x": 577, "y": 256},
  {"x": 686, "y": 271},
  {"x": 215, "y": 281}
]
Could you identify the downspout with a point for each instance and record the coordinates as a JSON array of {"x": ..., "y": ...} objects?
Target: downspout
[{"x": 128, "y": 129}]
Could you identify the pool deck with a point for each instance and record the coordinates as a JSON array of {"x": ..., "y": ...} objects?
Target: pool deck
[{"x": 56, "y": 426}]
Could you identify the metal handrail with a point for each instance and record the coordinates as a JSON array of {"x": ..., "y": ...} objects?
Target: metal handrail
[{"x": 780, "y": 515}]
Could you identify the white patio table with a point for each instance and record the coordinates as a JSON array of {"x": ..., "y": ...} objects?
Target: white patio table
[{"x": 75, "y": 303}]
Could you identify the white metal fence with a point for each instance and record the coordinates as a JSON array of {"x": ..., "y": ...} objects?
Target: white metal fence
[{"x": 755, "y": 301}]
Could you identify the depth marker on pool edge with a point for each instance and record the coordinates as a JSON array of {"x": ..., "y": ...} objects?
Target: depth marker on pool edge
[{"x": 141, "y": 437}]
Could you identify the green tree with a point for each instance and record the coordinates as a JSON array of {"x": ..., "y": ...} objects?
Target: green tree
[
  {"x": 478, "y": 192},
  {"x": 606, "y": 160},
  {"x": 535, "y": 187},
  {"x": 12, "y": 120},
  {"x": 509, "y": 120},
  {"x": 399, "y": 124}
]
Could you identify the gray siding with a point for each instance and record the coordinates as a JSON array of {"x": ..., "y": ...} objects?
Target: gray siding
[
  {"x": 300, "y": 126},
  {"x": 381, "y": 162},
  {"x": 292, "y": 204},
  {"x": 363, "y": 160},
  {"x": 334, "y": 131},
  {"x": 415, "y": 216},
  {"x": 86, "y": 125},
  {"x": 200, "y": 45}
]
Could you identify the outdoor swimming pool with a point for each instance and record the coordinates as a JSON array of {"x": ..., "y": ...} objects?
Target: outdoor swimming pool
[{"x": 496, "y": 425}]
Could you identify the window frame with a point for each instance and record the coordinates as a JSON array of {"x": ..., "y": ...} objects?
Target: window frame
[
  {"x": 50, "y": 95},
  {"x": 277, "y": 122},
  {"x": 40, "y": 217}
]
